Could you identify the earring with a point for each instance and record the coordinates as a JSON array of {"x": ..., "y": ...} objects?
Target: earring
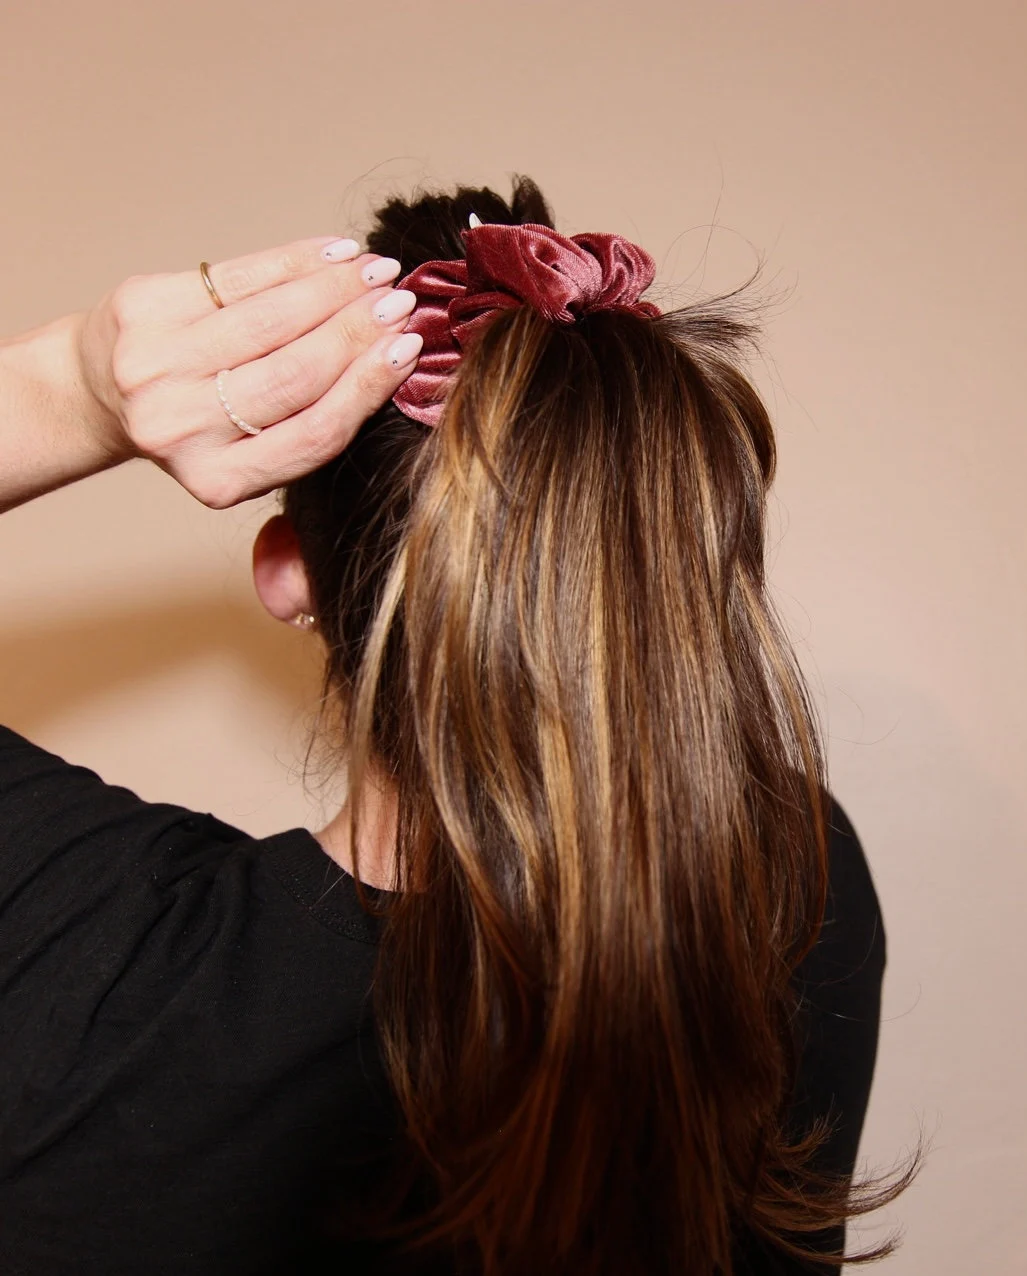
[{"x": 303, "y": 620}]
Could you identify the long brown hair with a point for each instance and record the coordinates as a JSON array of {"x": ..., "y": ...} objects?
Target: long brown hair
[{"x": 548, "y": 626}]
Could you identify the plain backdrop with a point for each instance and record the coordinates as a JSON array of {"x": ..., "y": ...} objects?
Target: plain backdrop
[{"x": 871, "y": 154}]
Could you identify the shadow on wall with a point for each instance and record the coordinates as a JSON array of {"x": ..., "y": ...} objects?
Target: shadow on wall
[{"x": 56, "y": 662}]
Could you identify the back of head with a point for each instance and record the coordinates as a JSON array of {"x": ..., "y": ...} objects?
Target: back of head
[{"x": 547, "y": 625}]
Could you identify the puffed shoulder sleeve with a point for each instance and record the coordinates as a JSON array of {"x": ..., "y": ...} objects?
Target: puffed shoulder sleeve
[
  {"x": 81, "y": 862},
  {"x": 65, "y": 835}
]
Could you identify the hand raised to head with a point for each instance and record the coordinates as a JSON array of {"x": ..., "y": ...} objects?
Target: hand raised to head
[{"x": 237, "y": 399}]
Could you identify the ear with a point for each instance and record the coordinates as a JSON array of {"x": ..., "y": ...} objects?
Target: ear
[{"x": 279, "y": 575}]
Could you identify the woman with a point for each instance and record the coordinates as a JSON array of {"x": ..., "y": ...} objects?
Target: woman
[{"x": 552, "y": 993}]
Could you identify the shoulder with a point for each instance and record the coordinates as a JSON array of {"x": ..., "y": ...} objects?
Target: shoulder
[
  {"x": 57, "y": 817},
  {"x": 846, "y": 964},
  {"x": 852, "y": 937},
  {"x": 161, "y": 892},
  {"x": 838, "y": 985}
]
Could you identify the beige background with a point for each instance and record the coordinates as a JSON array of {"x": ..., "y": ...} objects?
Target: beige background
[{"x": 872, "y": 152}]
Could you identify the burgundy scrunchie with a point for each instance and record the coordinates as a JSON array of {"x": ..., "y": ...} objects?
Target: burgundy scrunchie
[{"x": 506, "y": 267}]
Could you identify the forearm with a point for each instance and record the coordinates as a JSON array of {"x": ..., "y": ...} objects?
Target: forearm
[{"x": 53, "y": 430}]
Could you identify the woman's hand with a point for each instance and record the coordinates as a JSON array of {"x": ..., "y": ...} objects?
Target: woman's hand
[
  {"x": 308, "y": 345},
  {"x": 311, "y": 347}
]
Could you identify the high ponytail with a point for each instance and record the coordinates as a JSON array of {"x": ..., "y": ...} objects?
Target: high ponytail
[{"x": 550, "y": 630}]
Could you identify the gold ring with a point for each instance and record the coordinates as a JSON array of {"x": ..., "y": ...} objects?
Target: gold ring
[{"x": 205, "y": 276}]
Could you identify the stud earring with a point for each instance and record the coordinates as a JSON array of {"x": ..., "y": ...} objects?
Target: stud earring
[{"x": 303, "y": 620}]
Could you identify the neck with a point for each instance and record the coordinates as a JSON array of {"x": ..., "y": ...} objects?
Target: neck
[{"x": 376, "y": 834}]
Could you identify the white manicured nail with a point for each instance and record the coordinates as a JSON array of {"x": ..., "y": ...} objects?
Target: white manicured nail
[
  {"x": 382, "y": 271},
  {"x": 395, "y": 306},
  {"x": 340, "y": 250},
  {"x": 405, "y": 350}
]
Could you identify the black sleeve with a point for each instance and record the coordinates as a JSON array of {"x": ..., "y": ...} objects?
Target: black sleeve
[
  {"x": 82, "y": 867},
  {"x": 182, "y": 1040},
  {"x": 66, "y": 841},
  {"x": 839, "y": 989},
  {"x": 839, "y": 984}
]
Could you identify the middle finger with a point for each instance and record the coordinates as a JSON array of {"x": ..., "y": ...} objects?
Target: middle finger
[{"x": 255, "y": 327}]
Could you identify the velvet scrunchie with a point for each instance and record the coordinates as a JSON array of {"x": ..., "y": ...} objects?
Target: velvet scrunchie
[{"x": 505, "y": 267}]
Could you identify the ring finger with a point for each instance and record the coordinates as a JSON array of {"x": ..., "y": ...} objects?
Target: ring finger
[{"x": 278, "y": 385}]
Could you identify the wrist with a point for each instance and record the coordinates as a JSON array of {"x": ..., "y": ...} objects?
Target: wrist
[
  {"x": 90, "y": 386},
  {"x": 60, "y": 388},
  {"x": 54, "y": 427}
]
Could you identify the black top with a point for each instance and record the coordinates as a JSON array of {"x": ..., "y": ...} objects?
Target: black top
[{"x": 186, "y": 1053}]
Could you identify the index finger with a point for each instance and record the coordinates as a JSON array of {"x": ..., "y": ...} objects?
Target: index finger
[{"x": 243, "y": 277}]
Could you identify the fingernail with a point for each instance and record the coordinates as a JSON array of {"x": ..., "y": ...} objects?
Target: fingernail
[
  {"x": 381, "y": 271},
  {"x": 340, "y": 250},
  {"x": 405, "y": 350},
  {"x": 394, "y": 306}
]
